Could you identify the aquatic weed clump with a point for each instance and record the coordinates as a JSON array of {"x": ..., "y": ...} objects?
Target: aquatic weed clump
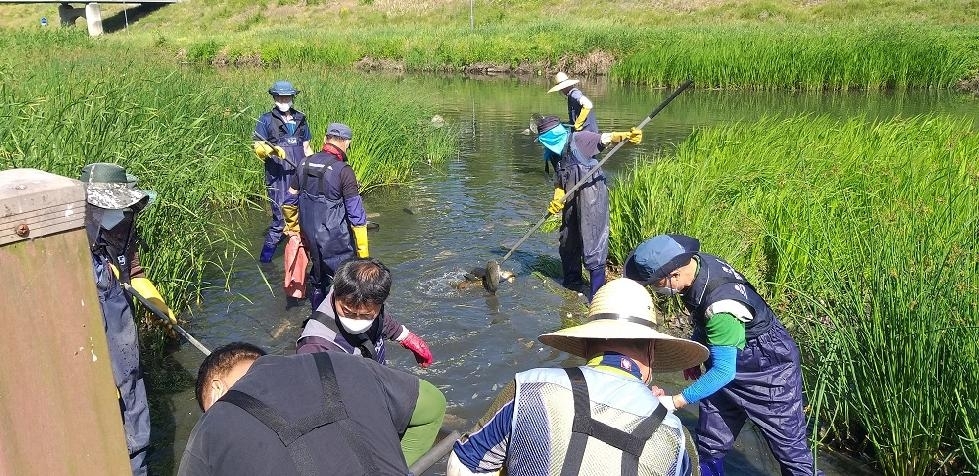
[{"x": 863, "y": 236}]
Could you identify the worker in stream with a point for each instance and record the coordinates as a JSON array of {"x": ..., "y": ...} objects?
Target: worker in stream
[
  {"x": 281, "y": 141},
  {"x": 112, "y": 204},
  {"x": 322, "y": 413},
  {"x": 754, "y": 371},
  {"x": 352, "y": 318},
  {"x": 584, "y": 216},
  {"x": 599, "y": 418}
]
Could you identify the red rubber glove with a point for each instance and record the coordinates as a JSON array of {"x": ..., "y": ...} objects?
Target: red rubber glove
[
  {"x": 418, "y": 347},
  {"x": 693, "y": 373}
]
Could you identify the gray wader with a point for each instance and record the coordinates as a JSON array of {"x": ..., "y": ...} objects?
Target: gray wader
[{"x": 291, "y": 434}]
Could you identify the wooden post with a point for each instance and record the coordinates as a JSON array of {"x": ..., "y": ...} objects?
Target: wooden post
[{"x": 59, "y": 412}]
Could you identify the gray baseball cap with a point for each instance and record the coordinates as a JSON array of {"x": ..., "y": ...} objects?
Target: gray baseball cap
[{"x": 340, "y": 130}]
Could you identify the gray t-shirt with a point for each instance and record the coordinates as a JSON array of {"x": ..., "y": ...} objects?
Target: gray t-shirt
[{"x": 379, "y": 401}]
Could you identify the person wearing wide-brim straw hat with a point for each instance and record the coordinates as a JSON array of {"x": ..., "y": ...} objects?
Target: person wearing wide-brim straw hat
[
  {"x": 588, "y": 419},
  {"x": 112, "y": 203},
  {"x": 579, "y": 106},
  {"x": 754, "y": 370}
]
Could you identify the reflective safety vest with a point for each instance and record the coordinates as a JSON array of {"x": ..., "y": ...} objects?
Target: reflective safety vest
[
  {"x": 291, "y": 433},
  {"x": 588, "y": 422}
]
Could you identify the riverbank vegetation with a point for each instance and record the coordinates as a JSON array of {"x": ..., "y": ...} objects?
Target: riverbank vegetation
[
  {"x": 186, "y": 135},
  {"x": 863, "y": 237},
  {"x": 745, "y": 44}
]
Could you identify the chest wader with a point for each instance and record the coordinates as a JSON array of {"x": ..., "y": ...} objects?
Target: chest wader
[
  {"x": 767, "y": 386},
  {"x": 583, "y": 236},
  {"x": 630, "y": 443},
  {"x": 278, "y": 172},
  {"x": 574, "y": 108},
  {"x": 291, "y": 434},
  {"x": 123, "y": 343},
  {"x": 323, "y": 219},
  {"x": 369, "y": 344}
]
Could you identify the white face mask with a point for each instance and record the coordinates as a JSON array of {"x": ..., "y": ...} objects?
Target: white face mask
[
  {"x": 283, "y": 106},
  {"x": 355, "y": 326}
]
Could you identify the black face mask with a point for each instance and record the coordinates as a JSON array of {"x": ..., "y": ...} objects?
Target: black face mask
[{"x": 110, "y": 229}]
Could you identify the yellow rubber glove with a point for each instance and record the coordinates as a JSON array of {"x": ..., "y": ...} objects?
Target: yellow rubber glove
[
  {"x": 360, "y": 239},
  {"x": 579, "y": 122},
  {"x": 557, "y": 203},
  {"x": 263, "y": 150},
  {"x": 635, "y": 135},
  {"x": 148, "y": 290},
  {"x": 291, "y": 215},
  {"x": 616, "y": 137}
]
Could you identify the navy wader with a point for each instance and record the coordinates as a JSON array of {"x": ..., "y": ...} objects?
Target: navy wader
[
  {"x": 574, "y": 108},
  {"x": 584, "y": 220},
  {"x": 767, "y": 387},
  {"x": 120, "y": 333},
  {"x": 278, "y": 172},
  {"x": 323, "y": 221}
]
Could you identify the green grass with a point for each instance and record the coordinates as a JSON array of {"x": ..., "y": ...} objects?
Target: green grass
[
  {"x": 863, "y": 237},
  {"x": 186, "y": 134},
  {"x": 747, "y": 44}
]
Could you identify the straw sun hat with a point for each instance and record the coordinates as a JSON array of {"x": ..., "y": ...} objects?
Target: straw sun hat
[
  {"x": 562, "y": 81},
  {"x": 623, "y": 309}
]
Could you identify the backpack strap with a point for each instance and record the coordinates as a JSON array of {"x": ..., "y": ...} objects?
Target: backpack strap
[
  {"x": 584, "y": 426},
  {"x": 290, "y": 434}
]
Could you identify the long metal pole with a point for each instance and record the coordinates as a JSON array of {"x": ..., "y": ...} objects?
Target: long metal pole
[
  {"x": 567, "y": 195},
  {"x": 434, "y": 454},
  {"x": 159, "y": 313}
]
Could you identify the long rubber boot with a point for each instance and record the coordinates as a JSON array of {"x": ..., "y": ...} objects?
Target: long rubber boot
[
  {"x": 316, "y": 297},
  {"x": 268, "y": 250},
  {"x": 711, "y": 467},
  {"x": 597, "y": 280}
]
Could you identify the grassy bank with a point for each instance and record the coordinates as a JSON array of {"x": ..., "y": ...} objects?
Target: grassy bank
[
  {"x": 863, "y": 237},
  {"x": 186, "y": 134},
  {"x": 750, "y": 44}
]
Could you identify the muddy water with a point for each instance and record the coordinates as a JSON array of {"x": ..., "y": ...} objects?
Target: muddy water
[{"x": 458, "y": 216}]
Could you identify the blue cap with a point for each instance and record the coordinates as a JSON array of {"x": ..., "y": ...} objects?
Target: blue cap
[
  {"x": 659, "y": 256},
  {"x": 340, "y": 130},
  {"x": 283, "y": 88}
]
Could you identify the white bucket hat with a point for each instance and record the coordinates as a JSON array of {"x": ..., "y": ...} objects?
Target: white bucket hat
[
  {"x": 562, "y": 81},
  {"x": 623, "y": 309}
]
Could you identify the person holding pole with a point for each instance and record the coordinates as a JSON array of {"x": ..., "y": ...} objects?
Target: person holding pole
[
  {"x": 112, "y": 203},
  {"x": 584, "y": 217},
  {"x": 281, "y": 140}
]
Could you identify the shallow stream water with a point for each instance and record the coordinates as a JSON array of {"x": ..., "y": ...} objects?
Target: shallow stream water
[{"x": 457, "y": 216}]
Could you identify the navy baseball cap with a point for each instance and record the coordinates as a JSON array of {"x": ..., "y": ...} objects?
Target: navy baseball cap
[
  {"x": 340, "y": 130},
  {"x": 657, "y": 257}
]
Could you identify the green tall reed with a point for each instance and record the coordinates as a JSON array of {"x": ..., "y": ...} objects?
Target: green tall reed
[
  {"x": 838, "y": 56},
  {"x": 187, "y": 135},
  {"x": 863, "y": 238}
]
